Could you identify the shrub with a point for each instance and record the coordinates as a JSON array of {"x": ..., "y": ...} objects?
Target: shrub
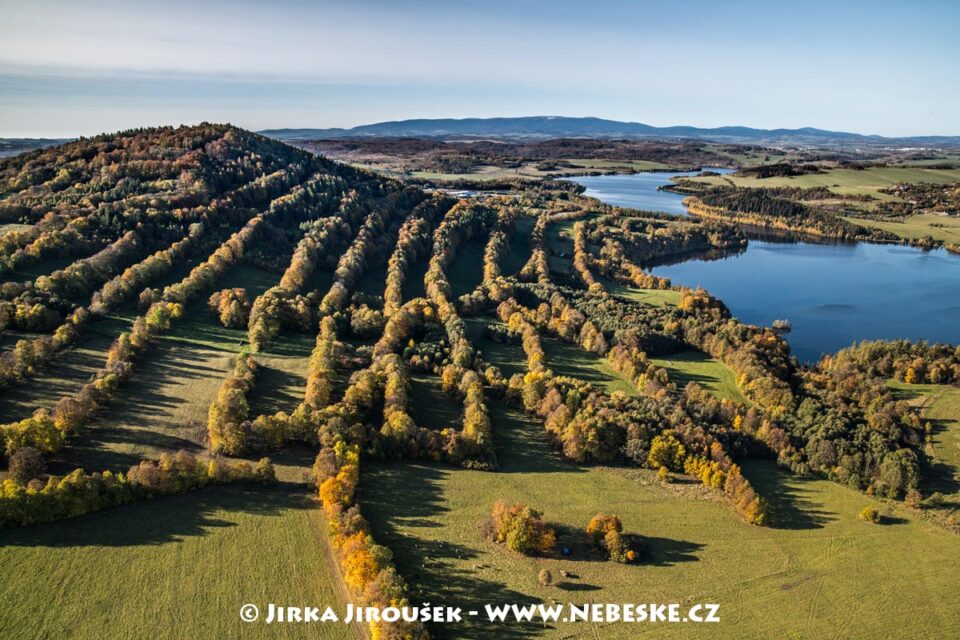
[
  {"x": 520, "y": 529},
  {"x": 26, "y": 464},
  {"x": 605, "y": 532},
  {"x": 913, "y": 499},
  {"x": 663, "y": 475},
  {"x": 869, "y": 514},
  {"x": 666, "y": 451}
]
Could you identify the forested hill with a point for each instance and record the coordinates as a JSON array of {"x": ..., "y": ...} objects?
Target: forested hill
[
  {"x": 110, "y": 215},
  {"x": 82, "y": 197},
  {"x": 559, "y": 127}
]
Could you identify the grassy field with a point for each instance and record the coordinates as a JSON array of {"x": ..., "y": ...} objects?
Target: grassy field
[
  {"x": 709, "y": 373},
  {"x": 519, "y": 246},
  {"x": 40, "y": 268},
  {"x": 175, "y": 568},
  {"x": 509, "y": 357},
  {"x": 656, "y": 297},
  {"x": 570, "y": 360},
  {"x": 848, "y": 181},
  {"x": 817, "y": 572},
  {"x": 940, "y": 405},
  {"x": 942, "y": 228},
  {"x": 430, "y": 407},
  {"x": 466, "y": 272}
]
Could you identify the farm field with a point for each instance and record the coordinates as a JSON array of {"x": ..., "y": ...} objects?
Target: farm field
[
  {"x": 938, "y": 227},
  {"x": 529, "y": 171},
  {"x": 699, "y": 551},
  {"x": 218, "y": 549},
  {"x": 866, "y": 182},
  {"x": 709, "y": 373}
]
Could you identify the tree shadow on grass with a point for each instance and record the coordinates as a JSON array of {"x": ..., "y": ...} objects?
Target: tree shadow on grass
[
  {"x": 655, "y": 552},
  {"x": 522, "y": 445},
  {"x": 274, "y": 391},
  {"x": 401, "y": 499},
  {"x": 666, "y": 552},
  {"x": 161, "y": 520},
  {"x": 141, "y": 420},
  {"x": 789, "y": 505},
  {"x": 937, "y": 475}
]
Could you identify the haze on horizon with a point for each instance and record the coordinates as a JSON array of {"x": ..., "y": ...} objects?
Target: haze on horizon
[{"x": 880, "y": 67}]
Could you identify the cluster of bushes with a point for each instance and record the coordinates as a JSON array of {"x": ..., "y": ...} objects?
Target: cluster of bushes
[
  {"x": 645, "y": 239},
  {"x": 537, "y": 268},
  {"x": 320, "y": 376},
  {"x": 368, "y": 571},
  {"x": 582, "y": 259},
  {"x": 605, "y": 533},
  {"x": 72, "y": 411},
  {"x": 230, "y": 307},
  {"x": 759, "y": 208},
  {"x": 614, "y": 263},
  {"x": 121, "y": 288},
  {"x": 592, "y": 426},
  {"x": 852, "y": 429},
  {"x": 284, "y": 306},
  {"x": 79, "y": 493},
  {"x": 519, "y": 528},
  {"x": 462, "y": 222}
]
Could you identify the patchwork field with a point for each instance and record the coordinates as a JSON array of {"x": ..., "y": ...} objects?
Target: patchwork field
[
  {"x": 847, "y": 181},
  {"x": 938, "y": 227}
]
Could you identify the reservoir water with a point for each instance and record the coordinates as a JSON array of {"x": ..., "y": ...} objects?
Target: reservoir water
[
  {"x": 832, "y": 294},
  {"x": 639, "y": 190}
]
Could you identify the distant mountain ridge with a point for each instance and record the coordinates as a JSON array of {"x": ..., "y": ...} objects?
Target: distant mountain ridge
[{"x": 564, "y": 127}]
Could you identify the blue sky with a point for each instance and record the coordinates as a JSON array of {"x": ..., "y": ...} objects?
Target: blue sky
[{"x": 78, "y": 68}]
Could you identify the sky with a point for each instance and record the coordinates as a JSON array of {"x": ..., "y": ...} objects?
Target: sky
[{"x": 77, "y": 67}]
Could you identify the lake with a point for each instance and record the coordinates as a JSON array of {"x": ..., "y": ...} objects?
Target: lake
[
  {"x": 638, "y": 190},
  {"x": 832, "y": 294}
]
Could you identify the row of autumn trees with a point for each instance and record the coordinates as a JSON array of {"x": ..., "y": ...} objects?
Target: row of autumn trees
[
  {"x": 836, "y": 419},
  {"x": 591, "y": 426},
  {"x": 186, "y": 205},
  {"x": 29, "y": 356},
  {"x": 78, "y": 492},
  {"x": 72, "y": 411}
]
